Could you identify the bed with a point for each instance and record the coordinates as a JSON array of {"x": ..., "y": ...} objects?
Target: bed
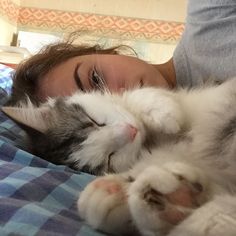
[{"x": 36, "y": 197}]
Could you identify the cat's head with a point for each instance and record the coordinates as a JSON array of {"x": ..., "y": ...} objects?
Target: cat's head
[{"x": 91, "y": 132}]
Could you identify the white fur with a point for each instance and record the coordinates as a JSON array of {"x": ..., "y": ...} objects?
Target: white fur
[
  {"x": 175, "y": 168},
  {"x": 114, "y": 137}
]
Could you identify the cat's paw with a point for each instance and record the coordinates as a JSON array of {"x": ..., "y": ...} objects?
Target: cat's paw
[
  {"x": 216, "y": 217},
  {"x": 159, "y": 110},
  {"x": 162, "y": 197},
  {"x": 103, "y": 205},
  {"x": 168, "y": 121}
]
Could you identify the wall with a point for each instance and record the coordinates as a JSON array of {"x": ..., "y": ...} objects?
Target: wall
[
  {"x": 6, "y": 31},
  {"x": 9, "y": 10}
]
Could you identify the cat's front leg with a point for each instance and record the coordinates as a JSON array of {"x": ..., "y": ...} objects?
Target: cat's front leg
[
  {"x": 158, "y": 108},
  {"x": 162, "y": 197},
  {"x": 103, "y": 205}
]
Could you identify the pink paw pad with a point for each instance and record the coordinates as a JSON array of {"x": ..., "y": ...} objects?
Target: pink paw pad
[
  {"x": 109, "y": 186},
  {"x": 184, "y": 196}
]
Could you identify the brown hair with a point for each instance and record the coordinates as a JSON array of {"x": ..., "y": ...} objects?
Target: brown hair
[{"x": 28, "y": 73}]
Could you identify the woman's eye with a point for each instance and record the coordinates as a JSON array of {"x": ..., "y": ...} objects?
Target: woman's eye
[
  {"x": 95, "y": 78},
  {"x": 141, "y": 83}
]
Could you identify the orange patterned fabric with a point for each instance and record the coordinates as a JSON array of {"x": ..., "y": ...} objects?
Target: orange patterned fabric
[
  {"x": 98, "y": 25},
  {"x": 10, "y": 10}
]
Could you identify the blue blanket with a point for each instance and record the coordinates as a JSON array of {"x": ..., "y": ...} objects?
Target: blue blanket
[{"x": 36, "y": 197}]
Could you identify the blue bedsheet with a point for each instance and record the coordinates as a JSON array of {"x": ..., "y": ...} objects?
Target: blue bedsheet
[
  {"x": 5, "y": 78},
  {"x": 36, "y": 197}
]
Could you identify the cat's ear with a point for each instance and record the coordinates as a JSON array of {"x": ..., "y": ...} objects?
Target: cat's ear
[{"x": 33, "y": 118}]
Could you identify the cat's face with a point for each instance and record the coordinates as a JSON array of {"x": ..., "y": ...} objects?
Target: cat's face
[
  {"x": 115, "y": 139},
  {"x": 91, "y": 132}
]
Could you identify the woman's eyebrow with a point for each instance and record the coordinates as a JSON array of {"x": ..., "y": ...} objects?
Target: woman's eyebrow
[{"x": 77, "y": 78}]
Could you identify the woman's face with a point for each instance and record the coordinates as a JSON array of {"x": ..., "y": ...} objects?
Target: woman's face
[{"x": 118, "y": 72}]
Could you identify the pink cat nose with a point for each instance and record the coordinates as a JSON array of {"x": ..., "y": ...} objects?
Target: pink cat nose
[{"x": 132, "y": 131}]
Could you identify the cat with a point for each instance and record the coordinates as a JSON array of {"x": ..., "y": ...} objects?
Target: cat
[
  {"x": 173, "y": 154},
  {"x": 93, "y": 132}
]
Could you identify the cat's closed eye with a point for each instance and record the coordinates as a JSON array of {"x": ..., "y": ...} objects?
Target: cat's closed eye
[
  {"x": 95, "y": 122},
  {"x": 98, "y": 124},
  {"x": 109, "y": 167}
]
